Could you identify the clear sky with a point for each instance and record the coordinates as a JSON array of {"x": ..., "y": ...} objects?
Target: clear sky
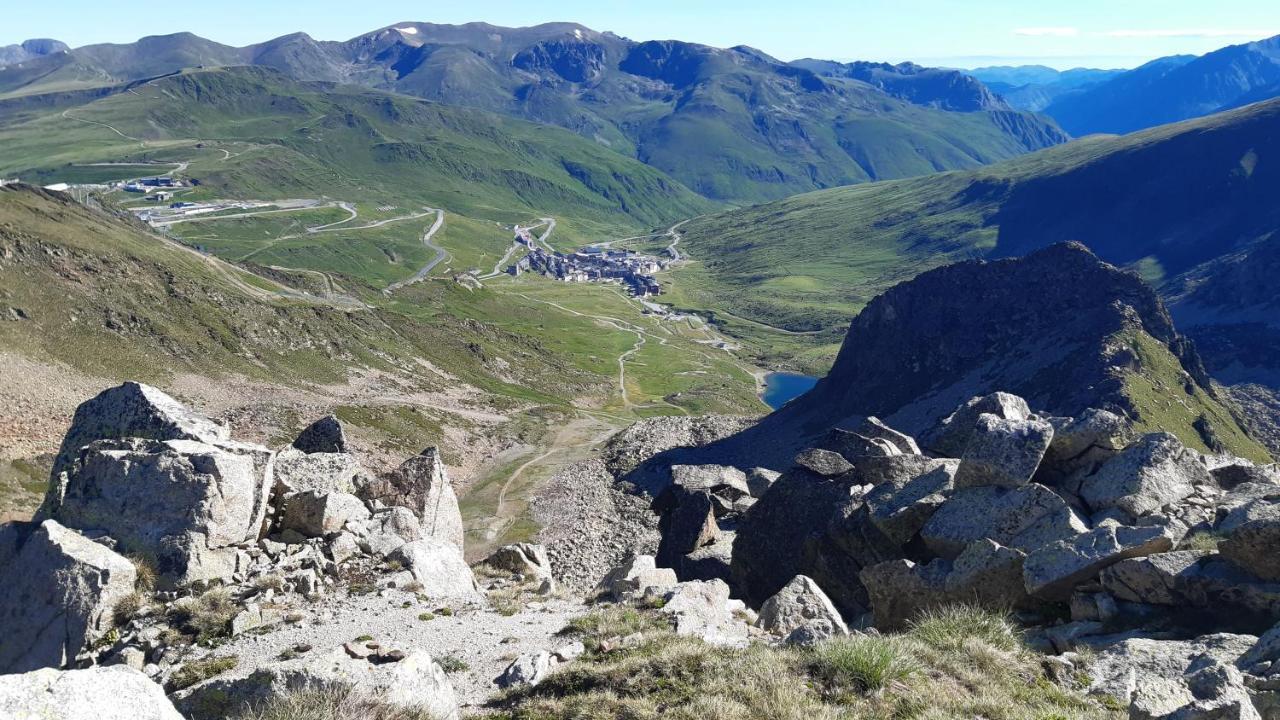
[{"x": 961, "y": 33}]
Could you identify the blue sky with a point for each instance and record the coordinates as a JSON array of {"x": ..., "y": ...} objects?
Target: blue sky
[{"x": 1098, "y": 33}]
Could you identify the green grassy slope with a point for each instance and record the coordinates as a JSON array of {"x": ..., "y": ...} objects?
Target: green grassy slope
[
  {"x": 311, "y": 139},
  {"x": 1162, "y": 202}
]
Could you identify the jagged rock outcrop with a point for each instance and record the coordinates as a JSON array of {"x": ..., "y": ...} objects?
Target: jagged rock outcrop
[
  {"x": 134, "y": 410},
  {"x": 182, "y": 503},
  {"x": 1057, "y": 327},
  {"x": 422, "y": 485},
  {"x": 99, "y": 693},
  {"x": 57, "y": 596}
]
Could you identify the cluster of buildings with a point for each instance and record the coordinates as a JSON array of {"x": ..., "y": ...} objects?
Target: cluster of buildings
[
  {"x": 594, "y": 264},
  {"x": 146, "y": 185}
]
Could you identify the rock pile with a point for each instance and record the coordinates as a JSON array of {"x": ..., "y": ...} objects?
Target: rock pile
[
  {"x": 1009, "y": 510},
  {"x": 161, "y": 531}
]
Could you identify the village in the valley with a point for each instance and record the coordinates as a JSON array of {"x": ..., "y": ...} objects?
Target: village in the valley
[{"x": 593, "y": 263}]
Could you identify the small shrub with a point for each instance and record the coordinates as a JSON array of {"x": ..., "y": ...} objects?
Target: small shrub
[
  {"x": 865, "y": 663},
  {"x": 146, "y": 573},
  {"x": 207, "y": 616},
  {"x": 1201, "y": 541},
  {"x": 127, "y": 608},
  {"x": 201, "y": 670},
  {"x": 950, "y": 628},
  {"x": 452, "y": 664},
  {"x": 272, "y": 582},
  {"x": 426, "y": 616},
  {"x": 362, "y": 588},
  {"x": 328, "y": 704},
  {"x": 445, "y": 611},
  {"x": 413, "y": 586},
  {"x": 364, "y": 638}
]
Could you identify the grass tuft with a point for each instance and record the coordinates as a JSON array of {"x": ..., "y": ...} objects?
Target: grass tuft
[
  {"x": 198, "y": 671},
  {"x": 206, "y": 617},
  {"x": 329, "y": 704},
  {"x": 952, "y": 627},
  {"x": 863, "y": 663}
]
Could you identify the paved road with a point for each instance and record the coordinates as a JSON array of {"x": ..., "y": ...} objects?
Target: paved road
[{"x": 441, "y": 254}]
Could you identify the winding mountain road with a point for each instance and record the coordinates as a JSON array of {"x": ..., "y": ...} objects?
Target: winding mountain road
[{"x": 441, "y": 254}]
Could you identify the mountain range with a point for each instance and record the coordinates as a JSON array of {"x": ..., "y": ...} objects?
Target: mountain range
[
  {"x": 731, "y": 124},
  {"x": 1165, "y": 90}
]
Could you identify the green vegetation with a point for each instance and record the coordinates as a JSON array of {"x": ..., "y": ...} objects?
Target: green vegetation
[
  {"x": 198, "y": 671},
  {"x": 452, "y": 664},
  {"x": 960, "y": 664},
  {"x": 1164, "y": 398},
  {"x": 205, "y": 617}
]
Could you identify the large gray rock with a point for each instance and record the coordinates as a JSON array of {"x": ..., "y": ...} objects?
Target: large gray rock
[
  {"x": 526, "y": 559},
  {"x": 422, "y": 485},
  {"x": 702, "y": 608},
  {"x": 710, "y": 562},
  {"x": 759, "y": 480},
  {"x": 438, "y": 565},
  {"x": 986, "y": 574},
  {"x": 116, "y": 692},
  {"x": 802, "y": 604},
  {"x": 688, "y": 526},
  {"x": 1152, "y": 579},
  {"x": 875, "y": 428},
  {"x": 1267, "y": 508},
  {"x": 314, "y": 514},
  {"x": 526, "y": 670},
  {"x": 134, "y": 410},
  {"x": 183, "y": 503},
  {"x": 907, "y": 490},
  {"x": 1003, "y": 452},
  {"x": 1159, "y": 679},
  {"x": 415, "y": 682},
  {"x": 386, "y": 530},
  {"x": 57, "y": 597},
  {"x": 852, "y": 446},
  {"x": 827, "y": 463},
  {"x": 1087, "y": 441},
  {"x": 297, "y": 471},
  {"x": 1155, "y": 471},
  {"x": 1052, "y": 571},
  {"x": 1025, "y": 518},
  {"x": 633, "y": 577},
  {"x": 711, "y": 478},
  {"x": 814, "y": 526},
  {"x": 951, "y": 436},
  {"x": 322, "y": 436},
  {"x": 1255, "y": 547}
]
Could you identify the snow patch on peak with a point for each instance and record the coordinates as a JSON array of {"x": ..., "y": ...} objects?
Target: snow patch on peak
[{"x": 408, "y": 30}]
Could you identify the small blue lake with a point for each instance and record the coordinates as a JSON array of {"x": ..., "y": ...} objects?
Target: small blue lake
[{"x": 781, "y": 388}]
